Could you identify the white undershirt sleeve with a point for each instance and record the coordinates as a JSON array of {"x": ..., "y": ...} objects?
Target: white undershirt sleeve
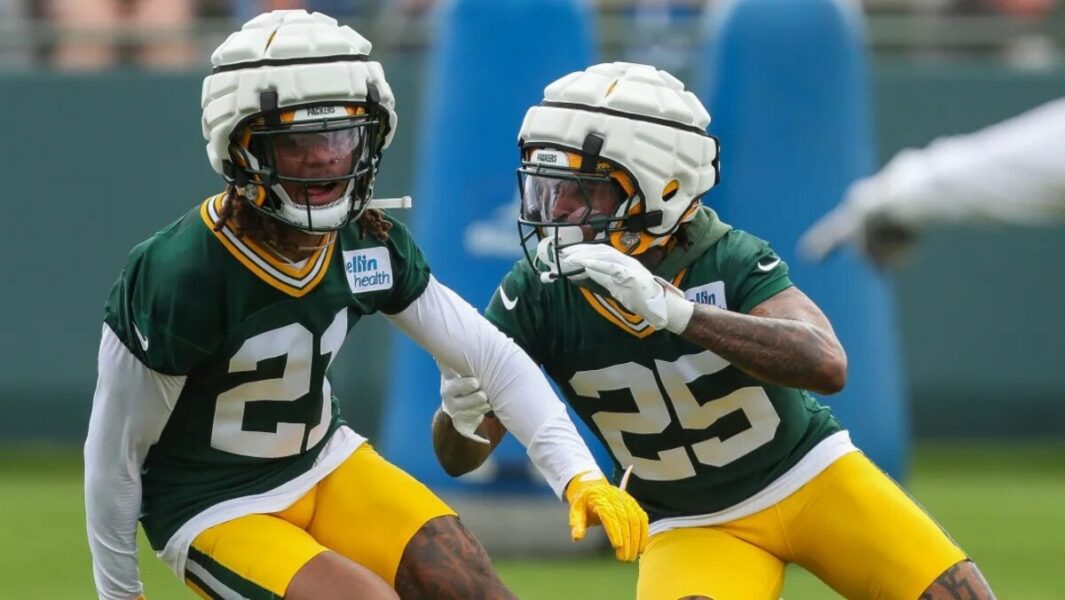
[
  {"x": 461, "y": 339},
  {"x": 129, "y": 410},
  {"x": 1010, "y": 172}
]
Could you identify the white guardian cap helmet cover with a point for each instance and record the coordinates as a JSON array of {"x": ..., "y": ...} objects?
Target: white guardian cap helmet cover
[
  {"x": 631, "y": 124},
  {"x": 296, "y": 117}
]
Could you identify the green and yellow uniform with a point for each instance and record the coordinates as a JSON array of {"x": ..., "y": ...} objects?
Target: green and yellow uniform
[
  {"x": 711, "y": 446},
  {"x": 254, "y": 426},
  {"x": 701, "y": 434}
]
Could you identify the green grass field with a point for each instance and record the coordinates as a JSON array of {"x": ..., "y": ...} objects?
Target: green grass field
[{"x": 1005, "y": 504}]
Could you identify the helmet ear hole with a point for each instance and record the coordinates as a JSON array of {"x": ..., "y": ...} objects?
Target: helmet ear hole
[{"x": 670, "y": 190}]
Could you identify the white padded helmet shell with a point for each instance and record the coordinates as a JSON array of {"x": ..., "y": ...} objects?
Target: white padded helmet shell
[
  {"x": 649, "y": 124},
  {"x": 305, "y": 57}
]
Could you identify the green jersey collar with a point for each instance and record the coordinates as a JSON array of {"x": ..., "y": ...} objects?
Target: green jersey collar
[{"x": 704, "y": 230}]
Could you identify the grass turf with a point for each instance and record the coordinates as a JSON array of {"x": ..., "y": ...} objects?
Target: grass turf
[{"x": 1005, "y": 505}]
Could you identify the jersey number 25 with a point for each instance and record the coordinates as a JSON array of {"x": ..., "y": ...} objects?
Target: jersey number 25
[{"x": 653, "y": 416}]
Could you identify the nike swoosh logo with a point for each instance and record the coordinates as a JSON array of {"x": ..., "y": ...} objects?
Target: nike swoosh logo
[
  {"x": 507, "y": 302},
  {"x": 765, "y": 268},
  {"x": 140, "y": 337}
]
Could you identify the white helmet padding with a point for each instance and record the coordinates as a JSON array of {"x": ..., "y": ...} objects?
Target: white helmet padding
[
  {"x": 648, "y": 123},
  {"x": 306, "y": 59}
]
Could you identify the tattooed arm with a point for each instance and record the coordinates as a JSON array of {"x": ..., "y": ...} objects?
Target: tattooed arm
[
  {"x": 963, "y": 581},
  {"x": 785, "y": 340}
]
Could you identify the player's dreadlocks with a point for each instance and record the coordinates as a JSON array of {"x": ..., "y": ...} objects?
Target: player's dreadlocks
[{"x": 247, "y": 220}]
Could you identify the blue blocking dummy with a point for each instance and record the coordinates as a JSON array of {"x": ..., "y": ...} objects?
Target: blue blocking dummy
[
  {"x": 489, "y": 63},
  {"x": 787, "y": 88}
]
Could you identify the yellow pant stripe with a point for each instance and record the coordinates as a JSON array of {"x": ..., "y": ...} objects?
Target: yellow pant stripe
[{"x": 234, "y": 570}]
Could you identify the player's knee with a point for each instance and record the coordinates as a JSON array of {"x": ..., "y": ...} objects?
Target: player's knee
[
  {"x": 330, "y": 576},
  {"x": 963, "y": 580},
  {"x": 444, "y": 560}
]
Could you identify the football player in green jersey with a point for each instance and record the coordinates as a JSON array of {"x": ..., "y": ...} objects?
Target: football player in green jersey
[
  {"x": 213, "y": 422},
  {"x": 688, "y": 351}
]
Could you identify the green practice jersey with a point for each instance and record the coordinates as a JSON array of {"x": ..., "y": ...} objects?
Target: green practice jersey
[
  {"x": 254, "y": 336},
  {"x": 701, "y": 434}
]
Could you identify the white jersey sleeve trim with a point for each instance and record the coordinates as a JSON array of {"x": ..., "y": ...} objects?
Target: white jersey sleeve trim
[
  {"x": 819, "y": 458},
  {"x": 461, "y": 339},
  {"x": 131, "y": 406}
]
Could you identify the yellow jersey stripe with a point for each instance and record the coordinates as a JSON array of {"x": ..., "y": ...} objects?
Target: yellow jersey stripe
[
  {"x": 293, "y": 281},
  {"x": 600, "y": 306},
  {"x": 288, "y": 269},
  {"x": 610, "y": 310}
]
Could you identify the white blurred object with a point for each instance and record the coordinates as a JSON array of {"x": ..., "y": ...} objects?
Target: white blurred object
[
  {"x": 391, "y": 203},
  {"x": 1033, "y": 52},
  {"x": 1012, "y": 172}
]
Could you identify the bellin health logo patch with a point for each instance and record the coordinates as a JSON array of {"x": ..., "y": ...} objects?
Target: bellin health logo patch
[
  {"x": 711, "y": 294},
  {"x": 368, "y": 270}
]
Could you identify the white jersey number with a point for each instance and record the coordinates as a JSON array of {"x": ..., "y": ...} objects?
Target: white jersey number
[
  {"x": 296, "y": 344},
  {"x": 653, "y": 414}
]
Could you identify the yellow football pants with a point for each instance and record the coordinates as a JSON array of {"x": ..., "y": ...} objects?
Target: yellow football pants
[
  {"x": 851, "y": 526},
  {"x": 367, "y": 510}
]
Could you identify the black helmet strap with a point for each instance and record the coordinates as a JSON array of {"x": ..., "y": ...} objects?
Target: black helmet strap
[
  {"x": 592, "y": 146},
  {"x": 268, "y": 106}
]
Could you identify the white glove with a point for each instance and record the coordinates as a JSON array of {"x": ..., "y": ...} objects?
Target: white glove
[
  {"x": 465, "y": 402},
  {"x": 864, "y": 219},
  {"x": 545, "y": 253},
  {"x": 631, "y": 284}
]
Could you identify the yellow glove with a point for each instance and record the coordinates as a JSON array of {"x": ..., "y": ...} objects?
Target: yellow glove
[{"x": 593, "y": 501}]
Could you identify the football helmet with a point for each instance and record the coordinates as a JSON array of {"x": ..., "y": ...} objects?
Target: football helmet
[
  {"x": 617, "y": 154},
  {"x": 296, "y": 117}
]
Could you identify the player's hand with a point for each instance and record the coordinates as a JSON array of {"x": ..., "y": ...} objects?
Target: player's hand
[
  {"x": 623, "y": 277},
  {"x": 863, "y": 220},
  {"x": 465, "y": 402},
  {"x": 631, "y": 284},
  {"x": 547, "y": 253},
  {"x": 593, "y": 501}
]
